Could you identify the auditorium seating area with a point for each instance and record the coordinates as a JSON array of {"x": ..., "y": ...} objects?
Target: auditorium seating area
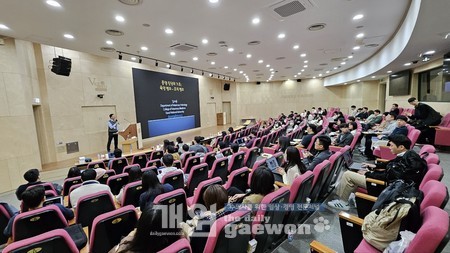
[{"x": 96, "y": 211}]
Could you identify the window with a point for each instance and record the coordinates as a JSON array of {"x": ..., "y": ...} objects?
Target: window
[{"x": 434, "y": 85}]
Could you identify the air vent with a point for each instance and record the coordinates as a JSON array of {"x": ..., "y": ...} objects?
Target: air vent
[
  {"x": 184, "y": 47},
  {"x": 339, "y": 59},
  {"x": 242, "y": 64},
  {"x": 256, "y": 70},
  {"x": 372, "y": 45},
  {"x": 113, "y": 32},
  {"x": 318, "y": 69},
  {"x": 108, "y": 49},
  {"x": 259, "y": 74},
  {"x": 211, "y": 54},
  {"x": 280, "y": 58},
  {"x": 254, "y": 43},
  {"x": 288, "y": 67},
  {"x": 131, "y": 2},
  {"x": 182, "y": 62},
  {"x": 316, "y": 27},
  {"x": 323, "y": 64},
  {"x": 288, "y": 8}
]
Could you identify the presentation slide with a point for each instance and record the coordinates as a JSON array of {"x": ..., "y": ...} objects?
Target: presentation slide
[{"x": 165, "y": 103}]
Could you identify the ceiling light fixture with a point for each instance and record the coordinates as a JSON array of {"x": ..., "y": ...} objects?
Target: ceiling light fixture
[
  {"x": 407, "y": 64},
  {"x": 360, "y": 35},
  {"x": 212, "y": 63},
  {"x": 68, "y": 36},
  {"x": 303, "y": 55},
  {"x": 358, "y": 17},
  {"x": 389, "y": 71},
  {"x": 109, "y": 42},
  {"x": 373, "y": 76},
  {"x": 249, "y": 56},
  {"x": 350, "y": 56},
  {"x": 256, "y": 21},
  {"x": 268, "y": 66},
  {"x": 195, "y": 58},
  {"x": 213, "y": 1},
  {"x": 169, "y": 66},
  {"x": 281, "y": 36},
  {"x": 168, "y": 31},
  {"x": 230, "y": 49},
  {"x": 4, "y": 27},
  {"x": 356, "y": 47},
  {"x": 172, "y": 53},
  {"x": 133, "y": 58},
  {"x": 343, "y": 63},
  {"x": 120, "y": 18},
  {"x": 144, "y": 48},
  {"x": 295, "y": 47},
  {"x": 53, "y": 3},
  {"x": 260, "y": 61},
  {"x": 204, "y": 41}
]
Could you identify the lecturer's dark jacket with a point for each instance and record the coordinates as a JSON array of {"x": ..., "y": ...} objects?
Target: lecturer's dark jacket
[{"x": 426, "y": 115}]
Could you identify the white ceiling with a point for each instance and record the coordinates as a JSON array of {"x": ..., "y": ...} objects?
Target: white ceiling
[{"x": 230, "y": 21}]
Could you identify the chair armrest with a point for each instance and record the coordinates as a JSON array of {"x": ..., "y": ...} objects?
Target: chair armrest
[
  {"x": 318, "y": 247},
  {"x": 280, "y": 184},
  {"x": 351, "y": 218},
  {"x": 335, "y": 148},
  {"x": 366, "y": 196},
  {"x": 375, "y": 181},
  {"x": 382, "y": 160}
]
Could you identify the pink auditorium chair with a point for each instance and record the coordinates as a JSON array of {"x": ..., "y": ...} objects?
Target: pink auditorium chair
[
  {"x": 92, "y": 205},
  {"x": 238, "y": 179},
  {"x": 219, "y": 169},
  {"x": 5, "y": 215},
  {"x": 180, "y": 246},
  {"x": 385, "y": 153},
  {"x": 95, "y": 165},
  {"x": 155, "y": 162},
  {"x": 300, "y": 190},
  {"x": 320, "y": 171},
  {"x": 116, "y": 182},
  {"x": 57, "y": 240},
  {"x": 176, "y": 198},
  {"x": 128, "y": 167},
  {"x": 131, "y": 193},
  {"x": 250, "y": 157},
  {"x": 68, "y": 182},
  {"x": 198, "y": 174},
  {"x": 140, "y": 159},
  {"x": 174, "y": 178},
  {"x": 236, "y": 161},
  {"x": 197, "y": 198},
  {"x": 427, "y": 149},
  {"x": 191, "y": 162},
  {"x": 442, "y": 137},
  {"x": 118, "y": 164},
  {"x": 104, "y": 178}
]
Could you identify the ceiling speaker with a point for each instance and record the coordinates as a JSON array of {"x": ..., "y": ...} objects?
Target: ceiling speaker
[
  {"x": 226, "y": 86},
  {"x": 62, "y": 66},
  {"x": 299, "y": 80},
  {"x": 258, "y": 83}
]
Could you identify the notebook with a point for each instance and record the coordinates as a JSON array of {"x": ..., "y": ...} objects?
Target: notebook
[
  {"x": 272, "y": 163},
  {"x": 350, "y": 164},
  {"x": 53, "y": 200}
]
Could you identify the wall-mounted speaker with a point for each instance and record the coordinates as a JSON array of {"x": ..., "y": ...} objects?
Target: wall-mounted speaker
[
  {"x": 258, "y": 83},
  {"x": 299, "y": 80},
  {"x": 226, "y": 86},
  {"x": 62, "y": 66}
]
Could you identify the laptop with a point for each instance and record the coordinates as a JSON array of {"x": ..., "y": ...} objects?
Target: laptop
[
  {"x": 240, "y": 141},
  {"x": 54, "y": 200},
  {"x": 272, "y": 163},
  {"x": 350, "y": 164}
]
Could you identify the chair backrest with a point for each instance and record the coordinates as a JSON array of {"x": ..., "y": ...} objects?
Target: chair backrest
[
  {"x": 219, "y": 242},
  {"x": 433, "y": 234},
  {"x": 256, "y": 165},
  {"x": 413, "y": 135},
  {"x": 57, "y": 240},
  {"x": 128, "y": 167},
  {"x": 427, "y": 149},
  {"x": 4, "y": 219},
  {"x": 156, "y": 155},
  {"x": 174, "y": 178},
  {"x": 209, "y": 158},
  {"x": 226, "y": 151},
  {"x": 152, "y": 168},
  {"x": 116, "y": 182},
  {"x": 198, "y": 174},
  {"x": 108, "y": 173},
  {"x": 92, "y": 205},
  {"x": 109, "y": 228},
  {"x": 155, "y": 162},
  {"x": 355, "y": 140},
  {"x": 250, "y": 157},
  {"x": 180, "y": 246},
  {"x": 198, "y": 193},
  {"x": 95, "y": 165},
  {"x": 176, "y": 198},
  {"x": 73, "y": 187},
  {"x": 256, "y": 142},
  {"x": 140, "y": 159},
  {"x": 319, "y": 172},
  {"x": 434, "y": 194},
  {"x": 237, "y": 161},
  {"x": 300, "y": 190},
  {"x": 336, "y": 161},
  {"x": 280, "y": 158},
  {"x": 47, "y": 186},
  {"x": 186, "y": 157},
  {"x": 220, "y": 169},
  {"x": 37, "y": 221},
  {"x": 118, "y": 164},
  {"x": 68, "y": 182},
  {"x": 275, "y": 217},
  {"x": 177, "y": 164},
  {"x": 434, "y": 172},
  {"x": 239, "y": 179},
  {"x": 191, "y": 162},
  {"x": 432, "y": 159},
  {"x": 131, "y": 194}
]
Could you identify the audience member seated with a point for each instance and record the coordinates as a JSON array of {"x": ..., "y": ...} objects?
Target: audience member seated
[
  {"x": 261, "y": 184},
  {"x": 311, "y": 130},
  {"x": 90, "y": 185},
  {"x": 198, "y": 148},
  {"x": 73, "y": 172},
  {"x": 424, "y": 116},
  {"x": 151, "y": 188},
  {"x": 294, "y": 166},
  {"x": 234, "y": 149},
  {"x": 374, "y": 118},
  {"x": 151, "y": 234},
  {"x": 197, "y": 229},
  {"x": 185, "y": 148},
  {"x": 352, "y": 127},
  {"x": 395, "y": 110},
  {"x": 344, "y": 138},
  {"x": 250, "y": 139},
  {"x": 351, "y": 119},
  {"x": 179, "y": 144},
  {"x": 322, "y": 146},
  {"x": 393, "y": 127},
  {"x": 134, "y": 174},
  {"x": 173, "y": 151},
  {"x": 363, "y": 114},
  {"x": 352, "y": 111},
  {"x": 117, "y": 153},
  {"x": 283, "y": 144},
  {"x": 167, "y": 162},
  {"x": 34, "y": 199},
  {"x": 32, "y": 177},
  {"x": 407, "y": 166}
]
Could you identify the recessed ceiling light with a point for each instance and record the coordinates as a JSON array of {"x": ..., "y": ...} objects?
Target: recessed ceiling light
[
  {"x": 268, "y": 66},
  {"x": 240, "y": 72},
  {"x": 172, "y": 53},
  {"x": 407, "y": 64},
  {"x": 320, "y": 74},
  {"x": 343, "y": 63},
  {"x": 373, "y": 76},
  {"x": 204, "y": 41},
  {"x": 335, "y": 68},
  {"x": 356, "y": 47},
  {"x": 295, "y": 75},
  {"x": 225, "y": 67},
  {"x": 296, "y": 47},
  {"x": 213, "y": 1},
  {"x": 168, "y": 31},
  {"x": 357, "y": 17},
  {"x": 256, "y": 21},
  {"x": 195, "y": 58},
  {"x": 109, "y": 42},
  {"x": 68, "y": 36},
  {"x": 249, "y": 56},
  {"x": 260, "y": 61},
  {"x": 230, "y": 49},
  {"x": 120, "y": 18},
  {"x": 305, "y": 66},
  {"x": 168, "y": 66},
  {"x": 303, "y": 55},
  {"x": 4, "y": 27},
  {"x": 144, "y": 48},
  {"x": 358, "y": 81},
  {"x": 270, "y": 69},
  {"x": 53, "y": 3},
  {"x": 350, "y": 56},
  {"x": 305, "y": 61},
  {"x": 281, "y": 36},
  {"x": 314, "y": 77},
  {"x": 133, "y": 58},
  {"x": 302, "y": 70},
  {"x": 389, "y": 71},
  {"x": 212, "y": 63},
  {"x": 360, "y": 35},
  {"x": 429, "y": 52},
  {"x": 234, "y": 69},
  {"x": 326, "y": 72}
]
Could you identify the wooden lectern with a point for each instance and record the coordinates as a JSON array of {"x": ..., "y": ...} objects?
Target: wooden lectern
[
  {"x": 132, "y": 134},
  {"x": 129, "y": 146}
]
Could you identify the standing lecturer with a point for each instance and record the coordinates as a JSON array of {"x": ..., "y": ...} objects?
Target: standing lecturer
[{"x": 113, "y": 131}]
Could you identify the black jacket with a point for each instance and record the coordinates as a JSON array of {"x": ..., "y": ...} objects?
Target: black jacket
[{"x": 426, "y": 115}]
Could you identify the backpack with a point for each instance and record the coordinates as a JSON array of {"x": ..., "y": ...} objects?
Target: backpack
[
  {"x": 410, "y": 167},
  {"x": 396, "y": 209}
]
